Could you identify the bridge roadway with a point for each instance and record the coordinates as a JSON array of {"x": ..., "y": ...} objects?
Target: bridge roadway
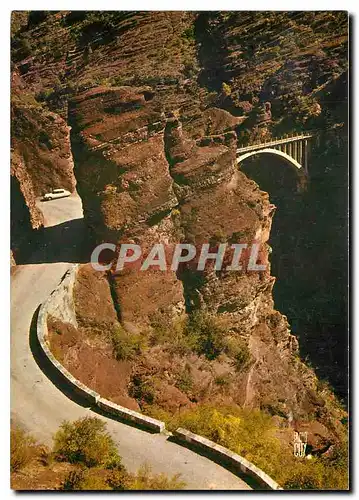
[
  {"x": 40, "y": 406},
  {"x": 273, "y": 143}
]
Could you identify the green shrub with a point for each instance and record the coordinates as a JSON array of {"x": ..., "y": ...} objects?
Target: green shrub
[
  {"x": 37, "y": 17},
  {"x": 23, "y": 448},
  {"x": 239, "y": 351},
  {"x": 317, "y": 474},
  {"x": 165, "y": 329},
  {"x": 44, "y": 95},
  {"x": 185, "y": 379},
  {"x": 211, "y": 423},
  {"x": 20, "y": 48},
  {"x": 201, "y": 332},
  {"x": 306, "y": 477},
  {"x": 189, "y": 33},
  {"x": 126, "y": 346},
  {"x": 44, "y": 139},
  {"x": 19, "y": 19},
  {"x": 223, "y": 380},
  {"x": 226, "y": 89},
  {"x": 252, "y": 434},
  {"x": 208, "y": 334},
  {"x": 247, "y": 432},
  {"x": 142, "y": 389},
  {"x": 175, "y": 213},
  {"x": 85, "y": 441},
  {"x": 242, "y": 358},
  {"x": 172, "y": 332},
  {"x": 219, "y": 236},
  {"x": 119, "y": 480}
]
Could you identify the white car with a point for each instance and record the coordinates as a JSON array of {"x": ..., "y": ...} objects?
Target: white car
[{"x": 56, "y": 193}]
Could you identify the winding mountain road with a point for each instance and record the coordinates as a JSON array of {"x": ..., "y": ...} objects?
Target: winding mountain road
[{"x": 40, "y": 406}]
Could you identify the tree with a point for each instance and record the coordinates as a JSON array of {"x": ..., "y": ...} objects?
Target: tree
[{"x": 86, "y": 441}]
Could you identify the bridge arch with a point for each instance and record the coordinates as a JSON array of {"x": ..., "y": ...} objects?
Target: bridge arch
[
  {"x": 295, "y": 166},
  {"x": 277, "y": 152}
]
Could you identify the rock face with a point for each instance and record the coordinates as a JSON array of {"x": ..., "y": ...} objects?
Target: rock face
[
  {"x": 25, "y": 216},
  {"x": 133, "y": 198},
  {"x": 22, "y": 183},
  {"x": 128, "y": 145},
  {"x": 41, "y": 160},
  {"x": 144, "y": 180},
  {"x": 41, "y": 139}
]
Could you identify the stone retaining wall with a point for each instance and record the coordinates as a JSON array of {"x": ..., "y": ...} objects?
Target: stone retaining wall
[
  {"x": 60, "y": 306},
  {"x": 131, "y": 415},
  {"x": 228, "y": 457}
]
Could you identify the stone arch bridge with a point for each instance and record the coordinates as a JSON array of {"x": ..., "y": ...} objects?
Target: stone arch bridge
[{"x": 294, "y": 149}]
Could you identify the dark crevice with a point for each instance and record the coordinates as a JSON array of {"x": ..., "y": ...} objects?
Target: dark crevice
[
  {"x": 115, "y": 301},
  {"x": 157, "y": 217},
  {"x": 190, "y": 279},
  {"x": 211, "y": 52},
  {"x": 22, "y": 233},
  {"x": 309, "y": 259}
]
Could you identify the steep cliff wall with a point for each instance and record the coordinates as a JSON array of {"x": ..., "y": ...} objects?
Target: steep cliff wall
[
  {"x": 41, "y": 159},
  {"x": 25, "y": 216},
  {"x": 154, "y": 184},
  {"x": 42, "y": 140}
]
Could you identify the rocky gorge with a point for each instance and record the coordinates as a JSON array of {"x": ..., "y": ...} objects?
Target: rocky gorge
[{"x": 142, "y": 113}]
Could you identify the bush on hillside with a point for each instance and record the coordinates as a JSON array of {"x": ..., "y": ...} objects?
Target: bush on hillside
[
  {"x": 239, "y": 351},
  {"x": 126, "y": 346},
  {"x": 120, "y": 480},
  {"x": 85, "y": 441},
  {"x": 209, "y": 333},
  {"x": 142, "y": 389}
]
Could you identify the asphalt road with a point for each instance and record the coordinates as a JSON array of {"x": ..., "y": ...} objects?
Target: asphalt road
[{"x": 41, "y": 407}]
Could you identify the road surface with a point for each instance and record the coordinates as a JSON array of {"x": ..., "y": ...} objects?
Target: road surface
[{"x": 41, "y": 407}]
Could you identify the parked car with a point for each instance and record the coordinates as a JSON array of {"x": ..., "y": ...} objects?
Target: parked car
[{"x": 56, "y": 193}]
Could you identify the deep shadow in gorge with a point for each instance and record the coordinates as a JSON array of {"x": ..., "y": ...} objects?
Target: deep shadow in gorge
[
  {"x": 21, "y": 228},
  {"x": 309, "y": 261}
]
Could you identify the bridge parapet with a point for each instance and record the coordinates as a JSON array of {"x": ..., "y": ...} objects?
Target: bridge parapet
[{"x": 274, "y": 142}]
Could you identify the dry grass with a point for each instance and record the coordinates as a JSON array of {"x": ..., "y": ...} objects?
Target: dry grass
[{"x": 23, "y": 448}]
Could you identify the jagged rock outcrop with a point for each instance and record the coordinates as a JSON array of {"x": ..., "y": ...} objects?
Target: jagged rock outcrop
[
  {"x": 130, "y": 197},
  {"x": 25, "y": 216},
  {"x": 131, "y": 187},
  {"x": 42, "y": 140},
  {"x": 41, "y": 159}
]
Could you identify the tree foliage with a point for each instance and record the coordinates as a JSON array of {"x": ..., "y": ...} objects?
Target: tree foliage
[{"x": 86, "y": 441}]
